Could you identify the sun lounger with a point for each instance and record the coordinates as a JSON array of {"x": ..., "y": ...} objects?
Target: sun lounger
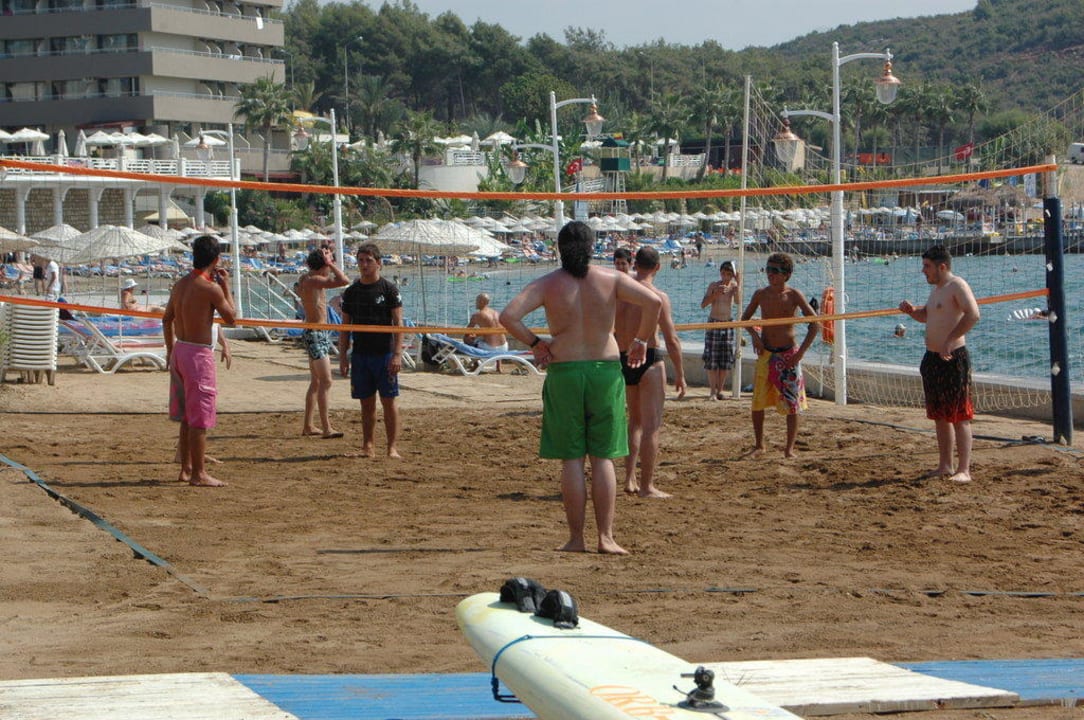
[
  {"x": 468, "y": 360},
  {"x": 84, "y": 340}
]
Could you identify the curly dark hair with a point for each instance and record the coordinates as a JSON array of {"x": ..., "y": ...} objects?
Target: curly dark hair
[{"x": 575, "y": 243}]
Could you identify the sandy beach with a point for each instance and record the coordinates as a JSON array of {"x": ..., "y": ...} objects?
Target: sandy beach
[{"x": 315, "y": 562}]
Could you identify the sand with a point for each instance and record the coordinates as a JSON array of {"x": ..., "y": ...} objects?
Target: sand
[{"x": 315, "y": 562}]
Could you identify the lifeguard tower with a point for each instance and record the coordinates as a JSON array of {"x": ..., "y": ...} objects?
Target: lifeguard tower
[{"x": 614, "y": 162}]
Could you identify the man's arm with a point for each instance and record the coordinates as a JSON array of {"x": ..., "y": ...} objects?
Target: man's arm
[
  {"x": 918, "y": 314},
  {"x": 396, "y": 341},
  {"x": 812, "y": 328},
  {"x": 750, "y": 310},
  {"x": 709, "y": 295},
  {"x": 673, "y": 345},
  {"x": 222, "y": 299},
  {"x": 527, "y": 301},
  {"x": 969, "y": 307},
  {"x": 167, "y": 325},
  {"x": 344, "y": 346}
]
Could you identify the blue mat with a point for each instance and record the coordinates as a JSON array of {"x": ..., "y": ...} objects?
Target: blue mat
[{"x": 1056, "y": 679}]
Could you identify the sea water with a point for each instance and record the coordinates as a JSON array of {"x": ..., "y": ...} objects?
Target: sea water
[{"x": 1001, "y": 343}]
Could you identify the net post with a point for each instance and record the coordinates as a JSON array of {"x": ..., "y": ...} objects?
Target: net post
[{"x": 1060, "y": 390}]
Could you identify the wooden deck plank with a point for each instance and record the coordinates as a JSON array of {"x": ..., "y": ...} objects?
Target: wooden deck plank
[
  {"x": 833, "y": 686},
  {"x": 181, "y": 696}
]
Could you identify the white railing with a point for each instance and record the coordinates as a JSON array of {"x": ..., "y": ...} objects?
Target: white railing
[
  {"x": 182, "y": 167},
  {"x": 687, "y": 160},
  {"x": 465, "y": 157}
]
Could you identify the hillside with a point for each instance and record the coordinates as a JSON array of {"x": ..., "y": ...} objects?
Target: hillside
[{"x": 1026, "y": 54}]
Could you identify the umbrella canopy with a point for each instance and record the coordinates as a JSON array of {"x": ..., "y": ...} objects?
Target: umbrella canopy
[
  {"x": 81, "y": 145},
  {"x": 57, "y": 234},
  {"x": 499, "y": 138},
  {"x": 61, "y": 144},
  {"x": 491, "y": 247},
  {"x": 5, "y": 136},
  {"x": 208, "y": 140},
  {"x": 14, "y": 242},
  {"x": 109, "y": 241},
  {"x": 431, "y": 237},
  {"x": 27, "y": 135},
  {"x": 101, "y": 138}
]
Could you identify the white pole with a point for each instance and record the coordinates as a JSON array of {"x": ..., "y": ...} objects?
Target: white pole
[
  {"x": 839, "y": 347},
  {"x": 558, "y": 205},
  {"x": 234, "y": 235},
  {"x": 337, "y": 200},
  {"x": 735, "y": 374}
]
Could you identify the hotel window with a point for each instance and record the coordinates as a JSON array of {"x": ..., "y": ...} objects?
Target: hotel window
[
  {"x": 118, "y": 87},
  {"x": 118, "y": 43},
  {"x": 20, "y": 48},
  {"x": 59, "y": 5}
]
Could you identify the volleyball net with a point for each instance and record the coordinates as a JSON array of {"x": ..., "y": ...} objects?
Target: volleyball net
[{"x": 884, "y": 236}]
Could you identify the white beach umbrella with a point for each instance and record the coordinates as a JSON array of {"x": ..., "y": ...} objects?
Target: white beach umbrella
[
  {"x": 57, "y": 234},
  {"x": 109, "y": 241},
  {"x": 81, "y": 145},
  {"x": 99, "y": 139},
  {"x": 498, "y": 138},
  {"x": 5, "y": 136},
  {"x": 11, "y": 241},
  {"x": 61, "y": 143},
  {"x": 27, "y": 135},
  {"x": 209, "y": 140},
  {"x": 431, "y": 237}
]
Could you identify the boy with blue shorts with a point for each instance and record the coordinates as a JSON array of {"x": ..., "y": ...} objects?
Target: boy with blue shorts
[{"x": 373, "y": 366}]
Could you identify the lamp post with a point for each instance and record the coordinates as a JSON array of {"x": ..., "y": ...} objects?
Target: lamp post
[
  {"x": 593, "y": 122},
  {"x": 346, "y": 79},
  {"x": 887, "y": 85}
]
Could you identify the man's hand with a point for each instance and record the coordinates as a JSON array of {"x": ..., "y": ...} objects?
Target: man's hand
[
  {"x": 637, "y": 353},
  {"x": 344, "y": 364},
  {"x": 542, "y": 355}
]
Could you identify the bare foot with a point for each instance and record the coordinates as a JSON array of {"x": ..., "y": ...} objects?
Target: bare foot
[
  {"x": 790, "y": 454},
  {"x": 609, "y": 547},
  {"x": 573, "y": 546},
  {"x": 331, "y": 435},
  {"x": 754, "y": 453},
  {"x": 310, "y": 431},
  {"x": 184, "y": 476},
  {"x": 938, "y": 473},
  {"x": 206, "y": 481},
  {"x": 394, "y": 454},
  {"x": 654, "y": 493},
  {"x": 961, "y": 477},
  {"x": 631, "y": 489}
]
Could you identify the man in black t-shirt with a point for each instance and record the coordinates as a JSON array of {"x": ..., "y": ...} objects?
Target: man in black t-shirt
[{"x": 377, "y": 356}]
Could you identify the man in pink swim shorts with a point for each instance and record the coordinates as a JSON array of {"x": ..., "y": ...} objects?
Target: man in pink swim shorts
[{"x": 187, "y": 326}]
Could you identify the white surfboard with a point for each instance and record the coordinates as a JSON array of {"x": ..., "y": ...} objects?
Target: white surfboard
[{"x": 592, "y": 672}]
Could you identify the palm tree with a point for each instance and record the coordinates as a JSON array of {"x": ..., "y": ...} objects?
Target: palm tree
[
  {"x": 415, "y": 138},
  {"x": 940, "y": 109},
  {"x": 669, "y": 117},
  {"x": 265, "y": 104},
  {"x": 972, "y": 100},
  {"x": 305, "y": 95},
  {"x": 706, "y": 103}
]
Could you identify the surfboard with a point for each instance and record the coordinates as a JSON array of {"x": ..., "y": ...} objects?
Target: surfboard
[{"x": 592, "y": 672}]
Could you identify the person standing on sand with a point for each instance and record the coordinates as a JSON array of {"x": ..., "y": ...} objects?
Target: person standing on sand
[
  {"x": 186, "y": 325},
  {"x": 583, "y": 398},
  {"x": 645, "y": 386},
  {"x": 719, "y": 343},
  {"x": 778, "y": 380},
  {"x": 312, "y": 287},
  {"x": 949, "y": 313},
  {"x": 377, "y": 356}
]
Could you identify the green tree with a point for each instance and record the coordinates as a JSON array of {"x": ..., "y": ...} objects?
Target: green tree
[
  {"x": 265, "y": 104},
  {"x": 670, "y": 116},
  {"x": 415, "y": 139}
]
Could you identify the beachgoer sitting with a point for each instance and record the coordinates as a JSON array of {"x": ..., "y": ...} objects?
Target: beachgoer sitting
[{"x": 128, "y": 299}]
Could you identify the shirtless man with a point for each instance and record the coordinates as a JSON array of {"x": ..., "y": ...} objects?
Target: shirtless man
[
  {"x": 778, "y": 379},
  {"x": 719, "y": 345},
  {"x": 486, "y": 317},
  {"x": 949, "y": 313},
  {"x": 188, "y": 317},
  {"x": 312, "y": 287},
  {"x": 645, "y": 386},
  {"x": 583, "y": 397}
]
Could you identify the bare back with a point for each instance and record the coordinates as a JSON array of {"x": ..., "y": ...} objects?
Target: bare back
[
  {"x": 580, "y": 314},
  {"x": 487, "y": 317},
  {"x": 627, "y": 319},
  {"x": 192, "y": 306}
]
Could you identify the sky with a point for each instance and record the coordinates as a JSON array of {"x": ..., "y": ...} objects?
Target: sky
[{"x": 734, "y": 24}]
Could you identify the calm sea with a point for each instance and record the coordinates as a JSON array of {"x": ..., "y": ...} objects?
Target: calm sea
[{"x": 1000, "y": 343}]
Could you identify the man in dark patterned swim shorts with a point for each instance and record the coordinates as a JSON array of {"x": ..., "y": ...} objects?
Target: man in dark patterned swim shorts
[
  {"x": 949, "y": 313},
  {"x": 312, "y": 288}
]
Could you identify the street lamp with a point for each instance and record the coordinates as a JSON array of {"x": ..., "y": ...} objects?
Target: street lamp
[
  {"x": 887, "y": 85},
  {"x": 346, "y": 77},
  {"x": 593, "y": 122}
]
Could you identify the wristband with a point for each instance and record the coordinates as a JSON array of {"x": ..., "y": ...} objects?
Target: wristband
[
  {"x": 536, "y": 341},
  {"x": 638, "y": 340}
]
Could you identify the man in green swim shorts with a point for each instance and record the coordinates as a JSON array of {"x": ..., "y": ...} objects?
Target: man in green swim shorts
[{"x": 584, "y": 393}]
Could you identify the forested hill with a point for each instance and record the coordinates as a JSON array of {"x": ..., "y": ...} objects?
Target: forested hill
[{"x": 1026, "y": 54}]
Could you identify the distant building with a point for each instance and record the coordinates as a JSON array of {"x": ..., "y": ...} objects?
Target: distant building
[{"x": 168, "y": 66}]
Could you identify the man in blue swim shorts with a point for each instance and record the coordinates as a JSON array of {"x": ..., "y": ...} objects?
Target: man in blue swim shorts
[
  {"x": 312, "y": 287},
  {"x": 584, "y": 393}
]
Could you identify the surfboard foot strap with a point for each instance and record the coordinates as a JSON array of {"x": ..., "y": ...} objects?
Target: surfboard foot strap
[{"x": 702, "y": 697}]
